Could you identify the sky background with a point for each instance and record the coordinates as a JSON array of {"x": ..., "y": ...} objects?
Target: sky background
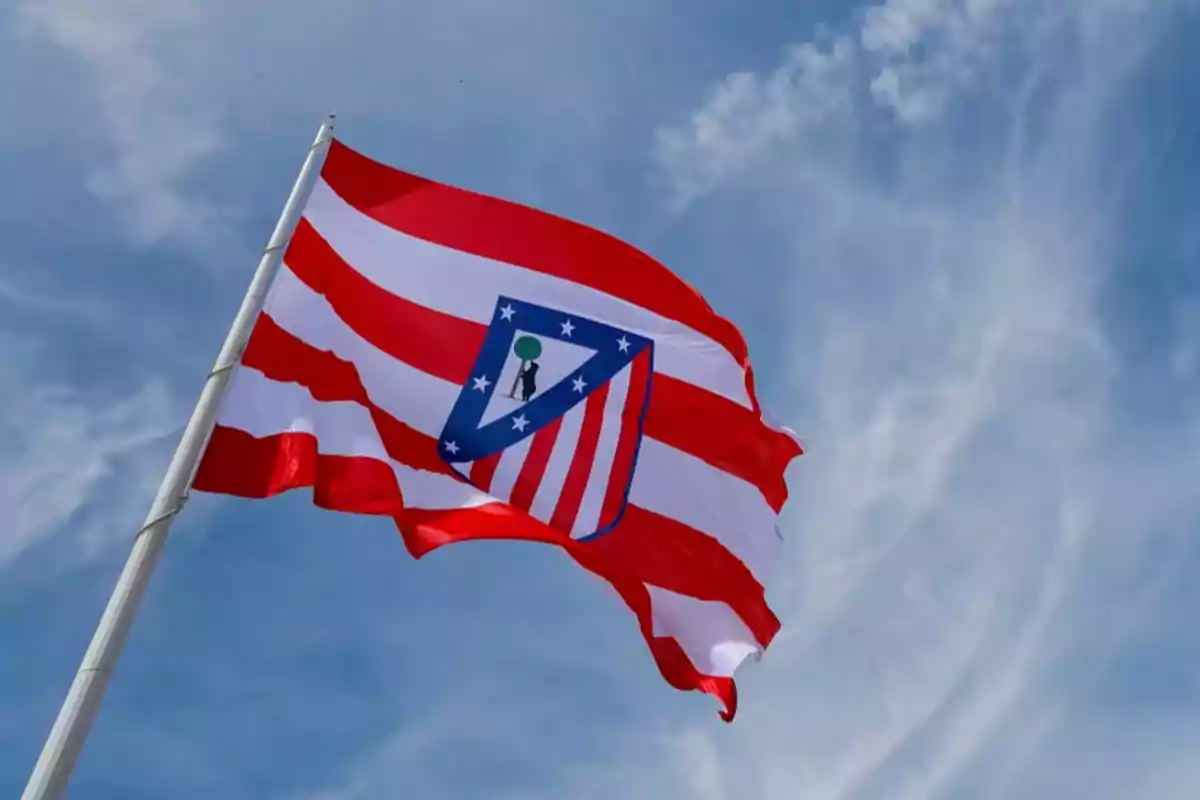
[{"x": 961, "y": 236}]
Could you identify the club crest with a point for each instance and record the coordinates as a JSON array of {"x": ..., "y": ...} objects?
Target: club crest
[{"x": 550, "y": 419}]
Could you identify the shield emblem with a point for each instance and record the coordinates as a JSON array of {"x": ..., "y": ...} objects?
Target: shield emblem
[{"x": 551, "y": 418}]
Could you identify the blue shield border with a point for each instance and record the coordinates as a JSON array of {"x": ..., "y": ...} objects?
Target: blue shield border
[{"x": 472, "y": 442}]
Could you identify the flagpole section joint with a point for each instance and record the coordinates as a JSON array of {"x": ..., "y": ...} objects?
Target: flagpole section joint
[
  {"x": 164, "y": 517},
  {"x": 216, "y": 371}
]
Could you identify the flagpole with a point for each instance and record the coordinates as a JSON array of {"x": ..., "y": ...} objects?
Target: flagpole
[{"x": 59, "y": 754}]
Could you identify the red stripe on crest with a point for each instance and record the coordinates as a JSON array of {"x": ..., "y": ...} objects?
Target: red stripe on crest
[
  {"x": 627, "y": 443},
  {"x": 534, "y": 468},
  {"x": 580, "y": 470},
  {"x": 483, "y": 470}
]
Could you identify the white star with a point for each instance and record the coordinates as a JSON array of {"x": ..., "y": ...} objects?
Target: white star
[
  {"x": 506, "y": 312},
  {"x": 451, "y": 448},
  {"x": 481, "y": 383},
  {"x": 578, "y": 384},
  {"x": 567, "y": 327},
  {"x": 519, "y": 423},
  {"x": 623, "y": 344}
]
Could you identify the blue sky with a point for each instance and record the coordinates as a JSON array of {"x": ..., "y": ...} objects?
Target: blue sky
[{"x": 963, "y": 241}]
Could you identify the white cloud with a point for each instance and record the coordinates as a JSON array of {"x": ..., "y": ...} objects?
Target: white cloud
[
  {"x": 746, "y": 115},
  {"x": 20, "y": 296},
  {"x": 136, "y": 53},
  {"x": 908, "y": 58},
  {"x": 69, "y": 459},
  {"x": 922, "y": 51},
  {"x": 63, "y": 454}
]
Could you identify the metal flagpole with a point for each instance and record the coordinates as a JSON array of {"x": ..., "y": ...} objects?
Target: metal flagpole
[{"x": 54, "y": 766}]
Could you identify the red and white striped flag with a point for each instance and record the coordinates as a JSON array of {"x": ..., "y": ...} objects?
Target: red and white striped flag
[{"x": 476, "y": 369}]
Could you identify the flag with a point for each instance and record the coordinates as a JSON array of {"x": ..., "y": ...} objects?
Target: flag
[{"x": 477, "y": 369}]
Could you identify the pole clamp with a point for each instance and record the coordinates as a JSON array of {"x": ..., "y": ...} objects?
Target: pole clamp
[
  {"x": 219, "y": 370},
  {"x": 166, "y": 515}
]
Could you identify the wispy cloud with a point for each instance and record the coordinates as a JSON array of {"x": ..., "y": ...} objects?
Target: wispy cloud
[
  {"x": 16, "y": 295},
  {"x": 136, "y": 55},
  {"x": 928, "y": 50},
  {"x": 747, "y": 115},
  {"x": 61, "y": 451},
  {"x": 77, "y": 452}
]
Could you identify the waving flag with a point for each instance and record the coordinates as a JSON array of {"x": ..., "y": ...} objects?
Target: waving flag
[{"x": 477, "y": 369}]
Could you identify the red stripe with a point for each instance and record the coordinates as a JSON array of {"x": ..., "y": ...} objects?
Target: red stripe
[
  {"x": 672, "y": 661},
  {"x": 439, "y": 344},
  {"x": 665, "y": 553},
  {"x": 242, "y": 465},
  {"x": 715, "y": 429},
  {"x": 424, "y": 531},
  {"x": 523, "y": 236},
  {"x": 729, "y": 437},
  {"x": 534, "y": 468},
  {"x": 483, "y": 470},
  {"x": 627, "y": 442},
  {"x": 575, "y": 483},
  {"x": 283, "y": 357},
  {"x": 646, "y": 547}
]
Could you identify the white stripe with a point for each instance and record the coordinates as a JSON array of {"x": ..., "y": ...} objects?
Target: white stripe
[
  {"x": 606, "y": 449},
  {"x": 262, "y": 407},
  {"x": 509, "y": 468},
  {"x": 684, "y": 488},
  {"x": 565, "y": 445},
  {"x": 466, "y": 286},
  {"x": 419, "y": 399},
  {"x": 715, "y": 640}
]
